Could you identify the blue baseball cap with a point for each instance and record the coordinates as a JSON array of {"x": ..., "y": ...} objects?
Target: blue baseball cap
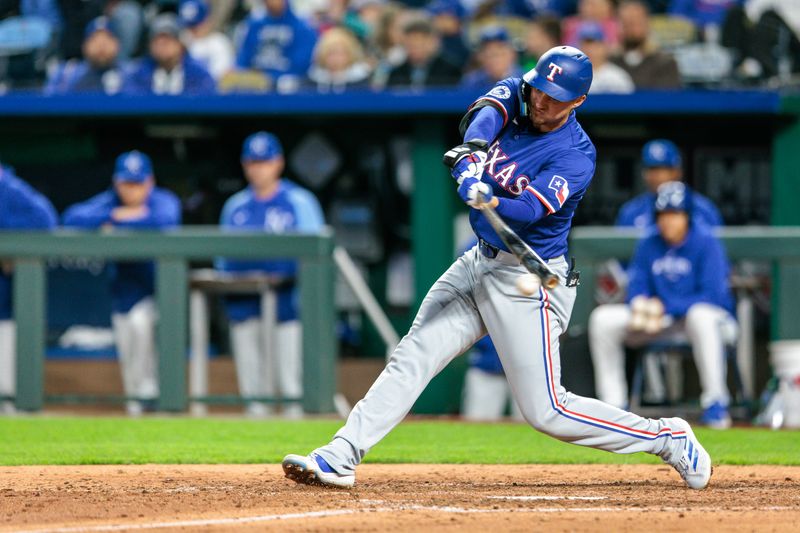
[
  {"x": 133, "y": 167},
  {"x": 591, "y": 31},
  {"x": 661, "y": 153},
  {"x": 673, "y": 196},
  {"x": 100, "y": 24},
  {"x": 192, "y": 12},
  {"x": 261, "y": 146},
  {"x": 494, "y": 34},
  {"x": 564, "y": 73},
  {"x": 446, "y": 7}
]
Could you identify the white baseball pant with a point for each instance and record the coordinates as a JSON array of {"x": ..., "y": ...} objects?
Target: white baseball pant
[
  {"x": 134, "y": 334},
  {"x": 708, "y": 328},
  {"x": 8, "y": 364},
  {"x": 486, "y": 396},
  {"x": 267, "y": 372}
]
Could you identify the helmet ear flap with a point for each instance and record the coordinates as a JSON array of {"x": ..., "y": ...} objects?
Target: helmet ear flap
[{"x": 526, "y": 95}]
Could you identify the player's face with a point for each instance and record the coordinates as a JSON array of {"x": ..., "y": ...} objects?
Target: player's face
[
  {"x": 166, "y": 50},
  {"x": 548, "y": 114},
  {"x": 133, "y": 194},
  {"x": 100, "y": 49},
  {"x": 673, "y": 226},
  {"x": 263, "y": 174},
  {"x": 654, "y": 177}
]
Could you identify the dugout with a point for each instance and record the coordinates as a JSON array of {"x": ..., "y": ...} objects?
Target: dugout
[{"x": 365, "y": 155}]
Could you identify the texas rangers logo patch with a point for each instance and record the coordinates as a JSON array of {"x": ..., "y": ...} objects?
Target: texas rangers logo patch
[
  {"x": 561, "y": 187},
  {"x": 501, "y": 91}
]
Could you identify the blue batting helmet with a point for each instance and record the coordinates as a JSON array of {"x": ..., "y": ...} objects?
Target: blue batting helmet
[
  {"x": 661, "y": 153},
  {"x": 673, "y": 196},
  {"x": 564, "y": 73}
]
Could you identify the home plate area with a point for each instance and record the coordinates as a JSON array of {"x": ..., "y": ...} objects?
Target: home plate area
[{"x": 395, "y": 498}]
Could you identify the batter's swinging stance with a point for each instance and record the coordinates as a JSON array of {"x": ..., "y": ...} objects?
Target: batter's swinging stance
[{"x": 525, "y": 154}]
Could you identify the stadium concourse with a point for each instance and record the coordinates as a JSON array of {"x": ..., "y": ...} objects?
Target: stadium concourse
[{"x": 395, "y": 498}]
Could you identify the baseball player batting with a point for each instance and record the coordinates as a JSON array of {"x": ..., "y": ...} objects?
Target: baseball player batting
[{"x": 528, "y": 157}]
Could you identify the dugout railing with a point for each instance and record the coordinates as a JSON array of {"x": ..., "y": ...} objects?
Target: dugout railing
[{"x": 171, "y": 252}]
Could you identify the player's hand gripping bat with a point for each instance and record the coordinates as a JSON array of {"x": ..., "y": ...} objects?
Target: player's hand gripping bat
[{"x": 529, "y": 259}]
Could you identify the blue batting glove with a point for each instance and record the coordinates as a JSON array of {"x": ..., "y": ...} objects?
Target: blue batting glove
[
  {"x": 470, "y": 188},
  {"x": 470, "y": 166}
]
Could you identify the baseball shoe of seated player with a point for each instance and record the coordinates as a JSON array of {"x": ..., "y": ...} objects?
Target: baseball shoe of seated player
[
  {"x": 689, "y": 458},
  {"x": 716, "y": 416},
  {"x": 314, "y": 470}
]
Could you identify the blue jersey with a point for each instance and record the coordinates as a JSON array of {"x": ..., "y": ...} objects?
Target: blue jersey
[
  {"x": 277, "y": 45},
  {"x": 680, "y": 276},
  {"x": 640, "y": 211},
  {"x": 552, "y": 170},
  {"x": 139, "y": 79},
  {"x": 22, "y": 208},
  {"x": 291, "y": 209},
  {"x": 130, "y": 282}
]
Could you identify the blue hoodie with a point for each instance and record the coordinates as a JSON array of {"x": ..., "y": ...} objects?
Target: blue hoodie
[
  {"x": 23, "y": 208},
  {"x": 277, "y": 45},
  {"x": 680, "y": 276},
  {"x": 196, "y": 79}
]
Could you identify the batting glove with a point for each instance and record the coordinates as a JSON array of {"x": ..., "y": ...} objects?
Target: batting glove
[
  {"x": 470, "y": 188},
  {"x": 467, "y": 160}
]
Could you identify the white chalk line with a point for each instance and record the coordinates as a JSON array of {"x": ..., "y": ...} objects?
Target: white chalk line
[
  {"x": 547, "y": 498},
  {"x": 339, "y": 512}
]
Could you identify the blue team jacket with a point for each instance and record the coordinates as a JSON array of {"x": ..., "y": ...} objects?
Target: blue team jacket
[
  {"x": 291, "y": 209},
  {"x": 680, "y": 276},
  {"x": 130, "y": 282},
  {"x": 21, "y": 208},
  {"x": 138, "y": 79},
  {"x": 82, "y": 77},
  {"x": 640, "y": 211},
  {"x": 277, "y": 45}
]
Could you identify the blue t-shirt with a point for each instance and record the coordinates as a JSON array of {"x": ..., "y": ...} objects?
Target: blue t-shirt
[
  {"x": 292, "y": 209},
  {"x": 639, "y": 212},
  {"x": 680, "y": 276},
  {"x": 542, "y": 169},
  {"x": 277, "y": 45},
  {"x": 130, "y": 282},
  {"x": 21, "y": 208}
]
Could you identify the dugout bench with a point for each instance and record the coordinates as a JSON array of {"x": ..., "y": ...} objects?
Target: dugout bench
[{"x": 171, "y": 252}]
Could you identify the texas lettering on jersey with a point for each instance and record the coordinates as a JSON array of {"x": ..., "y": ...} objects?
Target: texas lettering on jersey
[{"x": 503, "y": 171}]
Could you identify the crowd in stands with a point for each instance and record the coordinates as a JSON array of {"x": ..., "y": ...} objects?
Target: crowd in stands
[{"x": 330, "y": 46}]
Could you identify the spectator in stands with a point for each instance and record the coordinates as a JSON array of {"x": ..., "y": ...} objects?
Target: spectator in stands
[
  {"x": 424, "y": 66},
  {"x": 133, "y": 203},
  {"x": 607, "y": 77},
  {"x": 363, "y": 17},
  {"x": 662, "y": 163},
  {"x": 169, "y": 69},
  {"x": 448, "y": 17},
  {"x": 648, "y": 67},
  {"x": 678, "y": 285},
  {"x": 526, "y": 9},
  {"x": 126, "y": 16},
  {"x": 30, "y": 31},
  {"x": 277, "y": 43},
  {"x": 100, "y": 70},
  {"x": 386, "y": 48},
  {"x": 542, "y": 34},
  {"x": 598, "y": 11},
  {"x": 338, "y": 63},
  {"x": 703, "y": 13},
  {"x": 273, "y": 205},
  {"x": 23, "y": 208},
  {"x": 212, "y": 49},
  {"x": 497, "y": 61}
]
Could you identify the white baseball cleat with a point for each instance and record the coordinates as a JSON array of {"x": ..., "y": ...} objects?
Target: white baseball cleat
[
  {"x": 693, "y": 463},
  {"x": 313, "y": 470}
]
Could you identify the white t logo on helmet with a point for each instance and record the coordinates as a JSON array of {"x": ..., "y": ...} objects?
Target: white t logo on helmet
[{"x": 554, "y": 69}]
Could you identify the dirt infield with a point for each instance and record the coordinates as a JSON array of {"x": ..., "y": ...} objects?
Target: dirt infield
[{"x": 396, "y": 498}]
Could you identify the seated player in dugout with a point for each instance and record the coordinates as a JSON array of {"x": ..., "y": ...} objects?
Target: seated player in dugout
[
  {"x": 132, "y": 203},
  {"x": 662, "y": 163},
  {"x": 678, "y": 285},
  {"x": 23, "y": 208},
  {"x": 271, "y": 204}
]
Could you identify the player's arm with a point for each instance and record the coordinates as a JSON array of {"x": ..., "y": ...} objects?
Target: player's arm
[
  {"x": 164, "y": 212},
  {"x": 639, "y": 280},
  {"x": 92, "y": 213}
]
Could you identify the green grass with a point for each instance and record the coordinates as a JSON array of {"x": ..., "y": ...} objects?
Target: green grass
[{"x": 42, "y": 440}]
